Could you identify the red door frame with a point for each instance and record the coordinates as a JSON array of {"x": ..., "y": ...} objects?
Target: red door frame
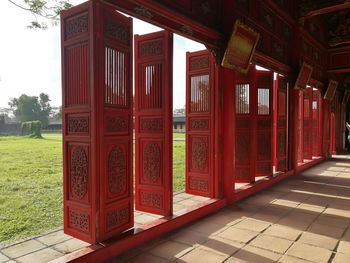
[
  {"x": 153, "y": 122},
  {"x": 200, "y": 124}
]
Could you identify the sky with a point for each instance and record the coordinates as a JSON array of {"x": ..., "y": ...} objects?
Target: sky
[{"x": 30, "y": 61}]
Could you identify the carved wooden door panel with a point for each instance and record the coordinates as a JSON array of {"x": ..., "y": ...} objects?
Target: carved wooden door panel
[
  {"x": 263, "y": 114},
  {"x": 281, "y": 134},
  {"x": 244, "y": 154},
  {"x": 97, "y": 121},
  {"x": 307, "y": 124},
  {"x": 315, "y": 123},
  {"x": 200, "y": 123},
  {"x": 153, "y": 122}
]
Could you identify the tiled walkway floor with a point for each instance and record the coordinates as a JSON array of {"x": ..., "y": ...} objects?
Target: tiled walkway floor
[
  {"x": 55, "y": 244},
  {"x": 303, "y": 219}
]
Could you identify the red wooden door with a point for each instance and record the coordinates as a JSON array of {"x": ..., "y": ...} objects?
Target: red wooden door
[
  {"x": 153, "y": 122},
  {"x": 307, "y": 124},
  {"x": 200, "y": 123},
  {"x": 264, "y": 108},
  {"x": 97, "y": 121},
  {"x": 281, "y": 134},
  {"x": 315, "y": 123},
  {"x": 244, "y": 136}
]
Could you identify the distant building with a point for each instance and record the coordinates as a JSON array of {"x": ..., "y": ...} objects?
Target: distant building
[{"x": 179, "y": 123}]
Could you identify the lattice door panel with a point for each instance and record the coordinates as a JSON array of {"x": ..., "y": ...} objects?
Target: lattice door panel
[
  {"x": 97, "y": 121},
  {"x": 281, "y": 135},
  {"x": 307, "y": 124},
  {"x": 263, "y": 114},
  {"x": 153, "y": 122},
  {"x": 200, "y": 123},
  {"x": 244, "y": 144}
]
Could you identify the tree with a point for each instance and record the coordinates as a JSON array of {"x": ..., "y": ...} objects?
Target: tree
[
  {"x": 31, "y": 108},
  {"x": 43, "y": 10}
]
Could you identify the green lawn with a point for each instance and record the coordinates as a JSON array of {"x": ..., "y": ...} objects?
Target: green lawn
[{"x": 31, "y": 184}]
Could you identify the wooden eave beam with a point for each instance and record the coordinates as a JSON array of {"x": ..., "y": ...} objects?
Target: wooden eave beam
[
  {"x": 339, "y": 70},
  {"x": 157, "y": 14},
  {"x": 326, "y": 8}
]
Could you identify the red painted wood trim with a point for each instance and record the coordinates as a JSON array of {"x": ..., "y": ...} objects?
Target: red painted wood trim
[
  {"x": 309, "y": 164},
  {"x": 157, "y": 14},
  {"x": 270, "y": 63}
]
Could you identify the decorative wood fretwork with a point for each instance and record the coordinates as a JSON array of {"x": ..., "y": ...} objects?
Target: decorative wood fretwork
[
  {"x": 142, "y": 11},
  {"x": 151, "y": 125},
  {"x": 117, "y": 124},
  {"x": 78, "y": 124},
  {"x": 117, "y": 217},
  {"x": 199, "y": 124},
  {"x": 151, "y": 199},
  {"x": 76, "y": 25},
  {"x": 117, "y": 31},
  {"x": 152, "y": 163},
  {"x": 117, "y": 170},
  {"x": 199, "y": 184},
  {"x": 199, "y": 63},
  {"x": 79, "y": 220},
  {"x": 199, "y": 154},
  {"x": 150, "y": 48},
  {"x": 79, "y": 172}
]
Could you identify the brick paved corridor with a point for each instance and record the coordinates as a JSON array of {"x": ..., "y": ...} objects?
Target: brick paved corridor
[{"x": 303, "y": 219}]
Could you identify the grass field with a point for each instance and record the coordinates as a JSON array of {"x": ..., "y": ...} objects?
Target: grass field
[{"x": 31, "y": 184}]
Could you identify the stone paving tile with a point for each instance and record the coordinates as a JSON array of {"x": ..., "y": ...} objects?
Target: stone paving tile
[
  {"x": 222, "y": 245},
  {"x": 3, "y": 258},
  {"x": 283, "y": 232},
  {"x": 289, "y": 259},
  {"x": 253, "y": 254},
  {"x": 330, "y": 231},
  {"x": 330, "y": 220},
  {"x": 207, "y": 227},
  {"x": 341, "y": 258},
  {"x": 344, "y": 247},
  {"x": 144, "y": 258},
  {"x": 318, "y": 240},
  {"x": 271, "y": 243},
  {"x": 189, "y": 237},
  {"x": 203, "y": 256},
  {"x": 41, "y": 256},
  {"x": 239, "y": 235},
  {"x": 54, "y": 238},
  {"x": 170, "y": 250},
  {"x": 308, "y": 252},
  {"x": 70, "y": 245},
  {"x": 23, "y": 248},
  {"x": 252, "y": 224}
]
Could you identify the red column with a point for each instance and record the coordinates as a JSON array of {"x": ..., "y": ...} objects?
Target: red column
[{"x": 228, "y": 83}]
